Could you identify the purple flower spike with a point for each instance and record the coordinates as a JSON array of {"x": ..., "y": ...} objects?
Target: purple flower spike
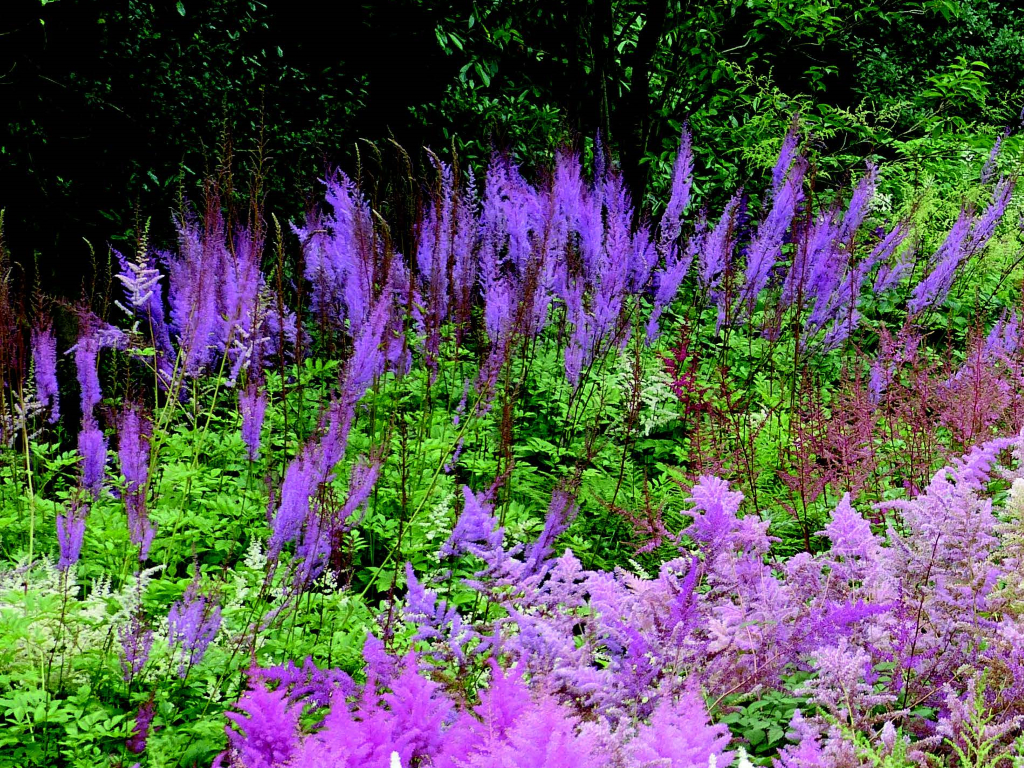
[
  {"x": 70, "y": 534},
  {"x": 44, "y": 355},
  {"x": 192, "y": 624},
  {"x": 252, "y": 405},
  {"x": 92, "y": 447},
  {"x": 136, "y": 642},
  {"x": 136, "y": 743},
  {"x": 133, "y": 453}
]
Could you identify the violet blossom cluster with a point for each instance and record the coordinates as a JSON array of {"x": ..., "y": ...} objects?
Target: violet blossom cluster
[
  {"x": 134, "y": 433},
  {"x": 192, "y": 624},
  {"x": 614, "y": 669},
  {"x": 399, "y": 712}
]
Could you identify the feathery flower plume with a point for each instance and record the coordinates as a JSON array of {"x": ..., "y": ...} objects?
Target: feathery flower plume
[
  {"x": 70, "y": 534},
  {"x": 133, "y": 453},
  {"x": 92, "y": 448},
  {"x": 136, "y": 641},
  {"x": 252, "y": 405},
  {"x": 192, "y": 624},
  {"x": 44, "y": 358},
  {"x": 679, "y": 197},
  {"x": 136, "y": 743}
]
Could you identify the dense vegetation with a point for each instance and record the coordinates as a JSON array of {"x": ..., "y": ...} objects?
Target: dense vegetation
[{"x": 671, "y": 415}]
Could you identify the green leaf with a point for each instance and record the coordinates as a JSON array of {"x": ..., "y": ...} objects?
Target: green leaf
[{"x": 181, "y": 8}]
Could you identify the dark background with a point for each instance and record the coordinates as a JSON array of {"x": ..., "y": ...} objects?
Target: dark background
[{"x": 116, "y": 111}]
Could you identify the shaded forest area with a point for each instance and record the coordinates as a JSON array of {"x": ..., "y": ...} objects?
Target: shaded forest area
[{"x": 114, "y": 109}]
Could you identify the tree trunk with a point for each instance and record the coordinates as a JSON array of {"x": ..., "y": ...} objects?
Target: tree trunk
[{"x": 633, "y": 115}]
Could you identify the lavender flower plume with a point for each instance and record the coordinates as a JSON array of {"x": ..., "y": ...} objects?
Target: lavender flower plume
[
  {"x": 766, "y": 247},
  {"x": 311, "y": 468},
  {"x": 87, "y": 368},
  {"x": 136, "y": 743},
  {"x": 70, "y": 534},
  {"x": 361, "y": 482},
  {"x": 140, "y": 279},
  {"x": 561, "y": 512},
  {"x": 681, "y": 734},
  {"x": 932, "y": 290},
  {"x": 44, "y": 357},
  {"x": 437, "y": 620},
  {"x": 1005, "y": 337},
  {"x": 679, "y": 198},
  {"x": 889, "y": 276},
  {"x": 145, "y": 296},
  {"x": 368, "y": 357},
  {"x": 714, "y": 515},
  {"x": 133, "y": 447},
  {"x": 860, "y": 203},
  {"x": 92, "y": 448},
  {"x": 192, "y": 624},
  {"x": 988, "y": 170},
  {"x": 300, "y": 483},
  {"x": 677, "y": 264},
  {"x": 136, "y": 641},
  {"x": 787, "y": 153},
  {"x": 252, "y": 405},
  {"x": 268, "y": 729},
  {"x": 984, "y": 227},
  {"x": 339, "y": 255},
  {"x": 94, "y": 335},
  {"x": 963, "y": 240},
  {"x": 716, "y": 253},
  {"x": 476, "y": 526},
  {"x": 133, "y": 453},
  {"x": 192, "y": 291}
]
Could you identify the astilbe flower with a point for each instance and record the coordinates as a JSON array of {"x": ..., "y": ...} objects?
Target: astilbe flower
[
  {"x": 252, "y": 405},
  {"x": 965, "y": 238},
  {"x": 220, "y": 307},
  {"x": 842, "y": 684},
  {"x": 70, "y": 534},
  {"x": 312, "y": 685},
  {"x": 323, "y": 529},
  {"x": 44, "y": 359},
  {"x": 94, "y": 335},
  {"x": 976, "y": 396},
  {"x": 967, "y": 724},
  {"x": 339, "y": 249},
  {"x": 476, "y": 529},
  {"x": 679, "y": 197},
  {"x": 680, "y": 736},
  {"x": 1004, "y": 338},
  {"x": 145, "y": 296},
  {"x": 765, "y": 248},
  {"x": 192, "y": 624},
  {"x": 620, "y": 650},
  {"x": 436, "y": 620},
  {"x": 988, "y": 170},
  {"x": 87, "y": 368},
  {"x": 133, "y": 452},
  {"x": 717, "y": 251},
  {"x": 560, "y": 514},
  {"x": 677, "y": 264},
  {"x": 268, "y": 729},
  {"x": 416, "y": 720},
  {"x": 136, "y": 743},
  {"x": 92, "y": 448},
  {"x": 136, "y": 641},
  {"x": 714, "y": 515}
]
